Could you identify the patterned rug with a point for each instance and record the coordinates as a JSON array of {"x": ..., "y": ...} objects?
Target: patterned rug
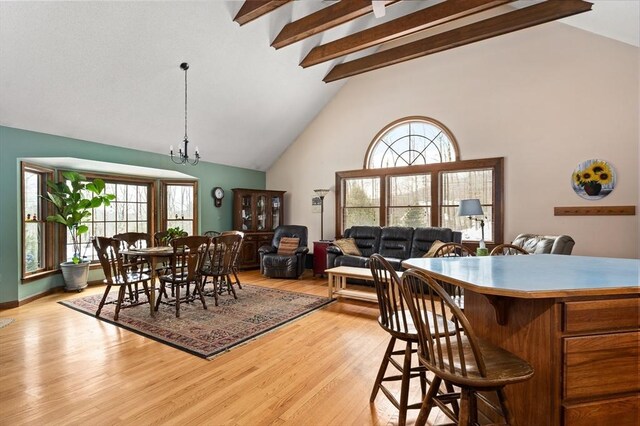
[{"x": 208, "y": 332}]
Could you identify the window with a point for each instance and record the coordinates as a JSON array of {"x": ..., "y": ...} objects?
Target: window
[
  {"x": 413, "y": 177},
  {"x": 361, "y": 201},
  {"x": 411, "y": 141},
  {"x": 129, "y": 212},
  {"x": 409, "y": 200},
  {"x": 180, "y": 205},
  {"x": 458, "y": 186},
  {"x": 36, "y": 232}
]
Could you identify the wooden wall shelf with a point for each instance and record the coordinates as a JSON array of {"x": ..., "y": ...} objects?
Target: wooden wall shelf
[{"x": 595, "y": 211}]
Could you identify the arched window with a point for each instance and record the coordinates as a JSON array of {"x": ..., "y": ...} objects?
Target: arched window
[
  {"x": 413, "y": 176},
  {"x": 411, "y": 141}
]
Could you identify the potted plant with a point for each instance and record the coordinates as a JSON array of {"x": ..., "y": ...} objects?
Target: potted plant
[
  {"x": 72, "y": 207},
  {"x": 172, "y": 233}
]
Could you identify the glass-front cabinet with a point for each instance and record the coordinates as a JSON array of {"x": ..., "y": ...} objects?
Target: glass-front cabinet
[{"x": 256, "y": 213}]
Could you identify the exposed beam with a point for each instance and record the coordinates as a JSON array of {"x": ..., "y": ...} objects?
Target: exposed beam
[
  {"x": 252, "y": 9},
  {"x": 540, "y": 13},
  {"x": 400, "y": 27},
  {"x": 322, "y": 20}
]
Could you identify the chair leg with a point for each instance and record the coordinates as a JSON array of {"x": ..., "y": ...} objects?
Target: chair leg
[
  {"x": 121, "y": 293},
  {"x": 104, "y": 298},
  {"x": 465, "y": 407},
  {"x": 145, "y": 287},
  {"x": 228, "y": 277},
  {"x": 427, "y": 403},
  {"x": 235, "y": 274},
  {"x": 404, "y": 387},
  {"x": 197, "y": 289},
  {"x": 454, "y": 404},
  {"x": 163, "y": 290},
  {"x": 215, "y": 290},
  {"x": 177, "y": 290},
  {"x": 382, "y": 369},
  {"x": 504, "y": 405}
]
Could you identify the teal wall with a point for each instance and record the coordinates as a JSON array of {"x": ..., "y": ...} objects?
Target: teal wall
[{"x": 16, "y": 144}]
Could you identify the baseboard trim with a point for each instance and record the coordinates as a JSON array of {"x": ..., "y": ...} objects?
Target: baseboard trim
[{"x": 17, "y": 303}]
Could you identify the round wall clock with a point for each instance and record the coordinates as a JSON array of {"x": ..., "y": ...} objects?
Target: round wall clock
[{"x": 218, "y": 194}]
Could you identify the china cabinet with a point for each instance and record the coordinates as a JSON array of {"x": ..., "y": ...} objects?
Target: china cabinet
[{"x": 256, "y": 213}]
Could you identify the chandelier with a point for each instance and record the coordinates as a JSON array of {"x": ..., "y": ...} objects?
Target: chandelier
[{"x": 183, "y": 153}]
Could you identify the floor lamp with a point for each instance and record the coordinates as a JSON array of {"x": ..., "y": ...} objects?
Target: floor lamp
[{"x": 321, "y": 193}]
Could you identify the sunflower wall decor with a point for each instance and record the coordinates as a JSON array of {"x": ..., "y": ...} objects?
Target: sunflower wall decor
[{"x": 594, "y": 179}]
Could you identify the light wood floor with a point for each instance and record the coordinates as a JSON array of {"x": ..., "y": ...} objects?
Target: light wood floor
[{"x": 60, "y": 367}]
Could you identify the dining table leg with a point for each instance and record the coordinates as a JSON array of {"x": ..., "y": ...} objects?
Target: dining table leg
[{"x": 152, "y": 289}]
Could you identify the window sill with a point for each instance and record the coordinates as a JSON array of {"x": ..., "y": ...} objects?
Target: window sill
[{"x": 38, "y": 275}]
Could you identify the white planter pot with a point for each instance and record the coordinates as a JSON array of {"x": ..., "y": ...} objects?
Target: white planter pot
[{"x": 75, "y": 275}]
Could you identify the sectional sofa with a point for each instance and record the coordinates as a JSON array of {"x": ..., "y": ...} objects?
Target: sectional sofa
[{"x": 395, "y": 243}]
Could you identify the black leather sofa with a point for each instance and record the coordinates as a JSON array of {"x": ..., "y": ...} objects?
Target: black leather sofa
[{"x": 395, "y": 243}]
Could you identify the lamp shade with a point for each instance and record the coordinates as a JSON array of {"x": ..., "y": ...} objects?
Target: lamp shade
[
  {"x": 470, "y": 207},
  {"x": 321, "y": 192}
]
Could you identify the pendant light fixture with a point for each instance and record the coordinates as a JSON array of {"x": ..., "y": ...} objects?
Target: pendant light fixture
[{"x": 183, "y": 153}]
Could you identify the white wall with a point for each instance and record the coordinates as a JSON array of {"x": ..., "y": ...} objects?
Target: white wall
[{"x": 545, "y": 98}]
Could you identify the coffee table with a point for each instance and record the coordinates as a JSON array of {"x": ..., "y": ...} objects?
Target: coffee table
[{"x": 338, "y": 283}]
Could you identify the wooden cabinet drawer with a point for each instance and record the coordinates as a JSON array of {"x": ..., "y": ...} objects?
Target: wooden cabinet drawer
[
  {"x": 601, "y": 365},
  {"x": 619, "y": 411},
  {"x": 601, "y": 315}
]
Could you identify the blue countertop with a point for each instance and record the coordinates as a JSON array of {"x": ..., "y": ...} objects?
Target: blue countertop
[{"x": 536, "y": 276}]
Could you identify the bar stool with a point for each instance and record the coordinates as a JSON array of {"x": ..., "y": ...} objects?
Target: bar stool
[
  {"x": 453, "y": 353},
  {"x": 396, "y": 320}
]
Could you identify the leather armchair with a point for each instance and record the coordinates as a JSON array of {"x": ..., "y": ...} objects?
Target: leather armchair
[
  {"x": 552, "y": 244},
  {"x": 275, "y": 265}
]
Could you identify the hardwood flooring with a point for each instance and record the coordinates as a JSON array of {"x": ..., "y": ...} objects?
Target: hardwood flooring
[{"x": 61, "y": 367}]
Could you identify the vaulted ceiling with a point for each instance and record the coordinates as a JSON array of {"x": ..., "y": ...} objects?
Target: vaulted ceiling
[{"x": 109, "y": 72}]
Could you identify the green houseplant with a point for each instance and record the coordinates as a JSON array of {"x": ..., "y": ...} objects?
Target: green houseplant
[
  {"x": 72, "y": 206},
  {"x": 173, "y": 233}
]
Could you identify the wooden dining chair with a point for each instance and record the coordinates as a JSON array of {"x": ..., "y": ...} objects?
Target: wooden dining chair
[
  {"x": 396, "y": 320},
  {"x": 134, "y": 240},
  {"x": 454, "y": 250},
  {"x": 507, "y": 250},
  {"x": 117, "y": 273},
  {"x": 185, "y": 265},
  {"x": 234, "y": 268},
  {"x": 219, "y": 265},
  {"x": 453, "y": 352}
]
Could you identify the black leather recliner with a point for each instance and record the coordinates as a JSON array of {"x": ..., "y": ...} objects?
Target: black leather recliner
[{"x": 274, "y": 265}]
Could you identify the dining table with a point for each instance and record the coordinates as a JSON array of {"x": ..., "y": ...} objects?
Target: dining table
[
  {"x": 573, "y": 318},
  {"x": 153, "y": 255}
]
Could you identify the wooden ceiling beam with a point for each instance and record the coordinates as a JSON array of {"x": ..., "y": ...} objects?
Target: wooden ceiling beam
[
  {"x": 323, "y": 19},
  {"x": 421, "y": 20},
  {"x": 518, "y": 19},
  {"x": 252, "y": 9}
]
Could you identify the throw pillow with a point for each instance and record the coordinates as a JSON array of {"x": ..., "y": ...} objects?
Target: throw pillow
[
  {"x": 288, "y": 246},
  {"x": 348, "y": 246},
  {"x": 434, "y": 248}
]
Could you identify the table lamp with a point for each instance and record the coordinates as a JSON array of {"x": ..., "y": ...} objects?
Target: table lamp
[
  {"x": 472, "y": 207},
  {"x": 321, "y": 193}
]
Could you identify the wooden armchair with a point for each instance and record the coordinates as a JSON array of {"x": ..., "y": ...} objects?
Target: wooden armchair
[
  {"x": 220, "y": 262},
  {"x": 117, "y": 273},
  {"x": 188, "y": 256}
]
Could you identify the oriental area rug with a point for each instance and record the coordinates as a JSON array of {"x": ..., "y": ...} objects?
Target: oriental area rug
[{"x": 208, "y": 332}]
